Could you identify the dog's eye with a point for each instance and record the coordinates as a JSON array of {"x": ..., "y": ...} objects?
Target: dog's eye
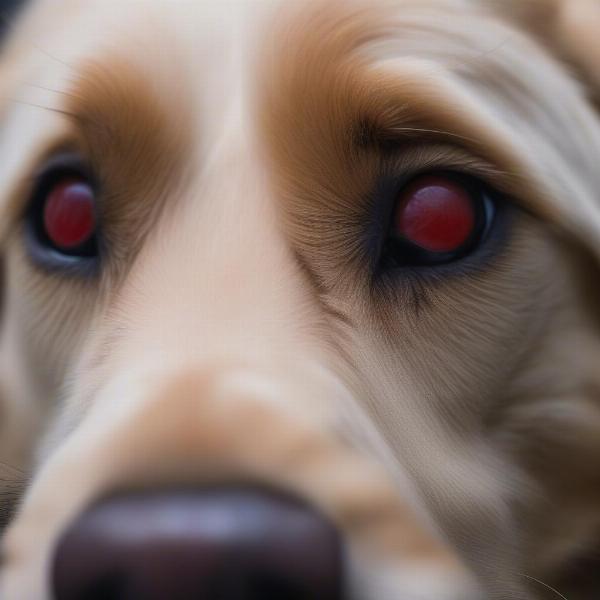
[
  {"x": 438, "y": 219},
  {"x": 62, "y": 218},
  {"x": 69, "y": 216}
]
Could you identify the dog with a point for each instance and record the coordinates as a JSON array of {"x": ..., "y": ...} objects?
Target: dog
[{"x": 300, "y": 300}]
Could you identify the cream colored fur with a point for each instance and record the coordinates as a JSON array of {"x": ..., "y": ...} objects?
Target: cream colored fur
[{"x": 449, "y": 425}]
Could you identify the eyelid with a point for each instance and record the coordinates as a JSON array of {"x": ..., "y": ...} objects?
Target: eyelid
[
  {"x": 410, "y": 161},
  {"x": 66, "y": 162}
]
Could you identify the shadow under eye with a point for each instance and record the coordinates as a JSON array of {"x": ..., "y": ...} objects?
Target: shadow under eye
[{"x": 56, "y": 262}]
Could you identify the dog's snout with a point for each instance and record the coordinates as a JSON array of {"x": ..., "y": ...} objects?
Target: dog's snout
[{"x": 228, "y": 544}]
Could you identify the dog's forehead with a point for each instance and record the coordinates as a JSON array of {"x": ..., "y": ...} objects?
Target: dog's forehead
[
  {"x": 216, "y": 52},
  {"x": 222, "y": 57}
]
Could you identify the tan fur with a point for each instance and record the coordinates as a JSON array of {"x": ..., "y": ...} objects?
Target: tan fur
[{"x": 449, "y": 424}]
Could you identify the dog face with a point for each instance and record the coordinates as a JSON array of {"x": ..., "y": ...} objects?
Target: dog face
[{"x": 344, "y": 250}]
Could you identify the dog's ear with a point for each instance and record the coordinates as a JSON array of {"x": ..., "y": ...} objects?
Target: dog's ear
[
  {"x": 570, "y": 31},
  {"x": 577, "y": 34},
  {"x": 573, "y": 33},
  {"x": 569, "y": 28}
]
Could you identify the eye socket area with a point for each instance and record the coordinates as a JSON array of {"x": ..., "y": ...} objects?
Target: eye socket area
[
  {"x": 438, "y": 218},
  {"x": 62, "y": 218}
]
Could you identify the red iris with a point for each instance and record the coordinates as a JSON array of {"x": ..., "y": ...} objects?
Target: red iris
[
  {"x": 436, "y": 213},
  {"x": 69, "y": 216}
]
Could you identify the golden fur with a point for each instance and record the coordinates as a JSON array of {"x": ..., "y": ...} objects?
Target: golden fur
[{"x": 449, "y": 424}]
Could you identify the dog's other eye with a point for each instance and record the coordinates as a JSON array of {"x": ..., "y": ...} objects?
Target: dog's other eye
[
  {"x": 69, "y": 219},
  {"x": 63, "y": 218},
  {"x": 438, "y": 219}
]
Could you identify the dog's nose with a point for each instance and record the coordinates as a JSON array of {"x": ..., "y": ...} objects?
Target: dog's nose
[{"x": 199, "y": 545}]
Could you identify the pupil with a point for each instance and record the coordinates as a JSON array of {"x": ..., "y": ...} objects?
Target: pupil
[
  {"x": 436, "y": 214},
  {"x": 69, "y": 219}
]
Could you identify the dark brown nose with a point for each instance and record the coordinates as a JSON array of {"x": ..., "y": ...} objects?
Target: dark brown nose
[{"x": 227, "y": 544}]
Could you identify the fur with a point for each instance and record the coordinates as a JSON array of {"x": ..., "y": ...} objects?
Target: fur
[{"x": 448, "y": 420}]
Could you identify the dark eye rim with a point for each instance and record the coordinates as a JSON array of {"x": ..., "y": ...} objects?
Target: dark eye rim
[
  {"x": 490, "y": 234},
  {"x": 81, "y": 261}
]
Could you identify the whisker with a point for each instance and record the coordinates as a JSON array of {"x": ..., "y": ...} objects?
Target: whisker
[
  {"x": 61, "y": 111},
  {"x": 4, "y": 465},
  {"x": 8, "y": 24},
  {"x": 545, "y": 585},
  {"x": 434, "y": 131},
  {"x": 51, "y": 90}
]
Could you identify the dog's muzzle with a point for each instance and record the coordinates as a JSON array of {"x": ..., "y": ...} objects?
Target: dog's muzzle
[{"x": 225, "y": 544}]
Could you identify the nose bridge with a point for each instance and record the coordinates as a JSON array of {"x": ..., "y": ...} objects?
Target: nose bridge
[{"x": 219, "y": 275}]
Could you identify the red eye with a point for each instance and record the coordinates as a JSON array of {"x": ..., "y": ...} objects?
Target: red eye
[
  {"x": 437, "y": 214},
  {"x": 69, "y": 219}
]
